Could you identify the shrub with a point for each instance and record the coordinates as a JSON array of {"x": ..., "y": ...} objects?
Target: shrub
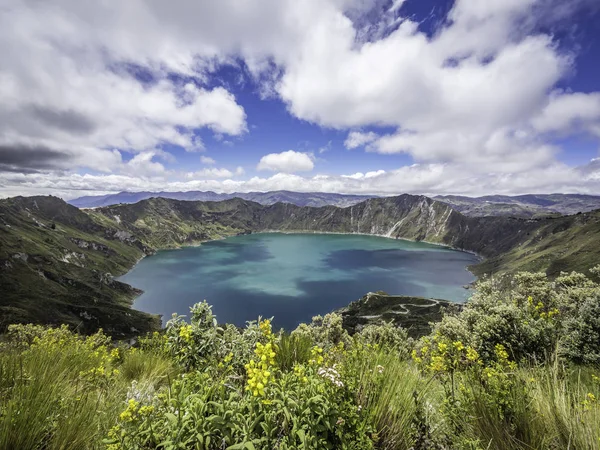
[
  {"x": 387, "y": 336},
  {"x": 325, "y": 331}
]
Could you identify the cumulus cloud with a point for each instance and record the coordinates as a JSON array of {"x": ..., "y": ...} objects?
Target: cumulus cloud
[
  {"x": 475, "y": 103},
  {"x": 212, "y": 172},
  {"x": 570, "y": 114},
  {"x": 207, "y": 160},
  {"x": 357, "y": 139},
  {"x": 70, "y": 86},
  {"x": 287, "y": 162},
  {"x": 427, "y": 179},
  {"x": 143, "y": 164}
]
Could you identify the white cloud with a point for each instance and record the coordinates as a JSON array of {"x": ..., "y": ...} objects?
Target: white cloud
[
  {"x": 362, "y": 176},
  {"x": 65, "y": 87},
  {"x": 287, "y": 162},
  {"x": 428, "y": 179},
  {"x": 207, "y": 160},
  {"x": 142, "y": 164},
  {"x": 470, "y": 103},
  {"x": 570, "y": 114},
  {"x": 212, "y": 172},
  {"x": 325, "y": 148},
  {"x": 357, "y": 139}
]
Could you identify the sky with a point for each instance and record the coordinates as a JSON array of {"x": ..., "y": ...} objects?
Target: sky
[{"x": 381, "y": 97}]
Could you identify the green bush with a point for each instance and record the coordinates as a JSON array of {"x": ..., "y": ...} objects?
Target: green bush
[{"x": 516, "y": 369}]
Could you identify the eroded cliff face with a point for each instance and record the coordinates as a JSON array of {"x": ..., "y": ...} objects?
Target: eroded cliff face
[
  {"x": 57, "y": 262},
  {"x": 408, "y": 217}
]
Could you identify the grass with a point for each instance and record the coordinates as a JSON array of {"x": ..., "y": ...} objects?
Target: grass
[
  {"x": 392, "y": 392},
  {"x": 294, "y": 349},
  {"x": 47, "y": 400}
]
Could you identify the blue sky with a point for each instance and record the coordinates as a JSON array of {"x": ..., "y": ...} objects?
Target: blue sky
[{"x": 351, "y": 96}]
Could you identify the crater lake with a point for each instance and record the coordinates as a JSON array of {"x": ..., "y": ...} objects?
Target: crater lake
[{"x": 294, "y": 277}]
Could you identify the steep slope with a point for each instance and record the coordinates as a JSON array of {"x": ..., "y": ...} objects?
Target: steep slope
[{"x": 57, "y": 262}]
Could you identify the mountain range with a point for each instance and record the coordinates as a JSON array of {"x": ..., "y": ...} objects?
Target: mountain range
[
  {"x": 58, "y": 262},
  {"x": 264, "y": 198},
  {"x": 527, "y": 206}
]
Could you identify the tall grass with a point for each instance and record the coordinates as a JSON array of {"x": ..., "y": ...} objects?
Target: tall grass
[
  {"x": 293, "y": 349},
  {"x": 549, "y": 408},
  {"x": 45, "y": 404},
  {"x": 392, "y": 392}
]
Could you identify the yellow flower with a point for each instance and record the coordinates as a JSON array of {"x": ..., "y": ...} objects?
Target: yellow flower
[
  {"x": 416, "y": 358},
  {"x": 146, "y": 410},
  {"x": 472, "y": 354},
  {"x": 316, "y": 356},
  {"x": 458, "y": 346},
  {"x": 185, "y": 332}
]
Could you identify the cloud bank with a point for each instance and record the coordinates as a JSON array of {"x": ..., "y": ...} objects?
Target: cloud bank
[{"x": 92, "y": 94}]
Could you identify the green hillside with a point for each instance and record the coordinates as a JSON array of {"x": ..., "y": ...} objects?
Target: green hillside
[{"x": 58, "y": 263}]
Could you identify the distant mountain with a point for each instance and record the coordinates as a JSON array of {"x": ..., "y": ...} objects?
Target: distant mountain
[
  {"x": 264, "y": 198},
  {"x": 529, "y": 205},
  {"x": 57, "y": 261},
  {"x": 526, "y": 206}
]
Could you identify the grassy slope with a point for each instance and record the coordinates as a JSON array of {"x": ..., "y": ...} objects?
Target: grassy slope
[
  {"x": 568, "y": 243},
  {"x": 62, "y": 280},
  {"x": 411, "y": 313},
  {"x": 58, "y": 274}
]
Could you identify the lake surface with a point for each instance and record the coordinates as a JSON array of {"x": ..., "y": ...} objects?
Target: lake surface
[{"x": 294, "y": 276}]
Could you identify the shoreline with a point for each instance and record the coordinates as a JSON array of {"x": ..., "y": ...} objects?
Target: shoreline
[{"x": 199, "y": 243}]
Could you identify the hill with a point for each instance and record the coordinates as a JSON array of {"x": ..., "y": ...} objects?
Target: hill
[
  {"x": 57, "y": 262},
  {"x": 264, "y": 198},
  {"x": 527, "y": 206}
]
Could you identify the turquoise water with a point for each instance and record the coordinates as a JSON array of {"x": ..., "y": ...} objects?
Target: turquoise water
[{"x": 294, "y": 276}]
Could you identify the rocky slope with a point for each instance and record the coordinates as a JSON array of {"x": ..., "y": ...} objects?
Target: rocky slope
[
  {"x": 57, "y": 266},
  {"x": 57, "y": 262}
]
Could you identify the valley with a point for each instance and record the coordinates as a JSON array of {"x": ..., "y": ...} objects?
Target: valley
[{"x": 58, "y": 263}]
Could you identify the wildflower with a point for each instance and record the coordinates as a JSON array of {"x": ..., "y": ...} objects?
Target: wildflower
[
  {"x": 416, "y": 358},
  {"x": 265, "y": 327},
  {"x": 115, "y": 354},
  {"x": 501, "y": 352},
  {"x": 131, "y": 412},
  {"x": 379, "y": 369},
  {"x": 332, "y": 375},
  {"x": 458, "y": 345},
  {"x": 185, "y": 332},
  {"x": 146, "y": 410},
  {"x": 258, "y": 371},
  {"x": 437, "y": 364},
  {"x": 316, "y": 357}
]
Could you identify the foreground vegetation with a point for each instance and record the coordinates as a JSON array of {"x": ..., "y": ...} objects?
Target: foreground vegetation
[{"x": 518, "y": 368}]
